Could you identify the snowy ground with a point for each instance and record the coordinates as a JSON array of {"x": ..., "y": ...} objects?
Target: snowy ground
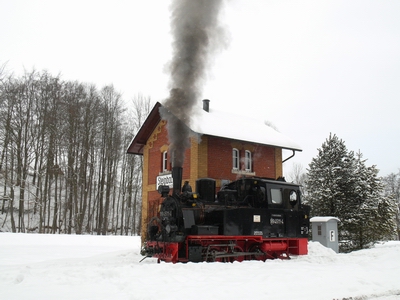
[{"x": 36, "y": 266}]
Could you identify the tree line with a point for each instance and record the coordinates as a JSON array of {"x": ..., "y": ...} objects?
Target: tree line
[
  {"x": 63, "y": 161},
  {"x": 339, "y": 183}
]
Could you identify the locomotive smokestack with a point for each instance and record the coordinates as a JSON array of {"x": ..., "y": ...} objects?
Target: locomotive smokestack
[
  {"x": 177, "y": 180},
  {"x": 206, "y": 105},
  {"x": 194, "y": 25}
]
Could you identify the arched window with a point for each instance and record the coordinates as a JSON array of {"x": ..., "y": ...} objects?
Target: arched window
[
  {"x": 164, "y": 161},
  {"x": 247, "y": 161},
  {"x": 235, "y": 159}
]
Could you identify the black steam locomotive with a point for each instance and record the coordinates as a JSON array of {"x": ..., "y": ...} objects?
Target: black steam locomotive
[{"x": 251, "y": 218}]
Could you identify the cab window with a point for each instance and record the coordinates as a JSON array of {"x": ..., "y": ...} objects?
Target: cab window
[{"x": 276, "y": 196}]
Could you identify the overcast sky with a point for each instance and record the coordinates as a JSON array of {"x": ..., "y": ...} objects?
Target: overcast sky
[{"x": 310, "y": 67}]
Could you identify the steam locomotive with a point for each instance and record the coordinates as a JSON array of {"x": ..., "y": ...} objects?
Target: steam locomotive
[{"x": 248, "y": 219}]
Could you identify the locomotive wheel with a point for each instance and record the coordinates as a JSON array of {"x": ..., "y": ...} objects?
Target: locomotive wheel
[
  {"x": 209, "y": 254},
  {"x": 260, "y": 256},
  {"x": 237, "y": 258}
]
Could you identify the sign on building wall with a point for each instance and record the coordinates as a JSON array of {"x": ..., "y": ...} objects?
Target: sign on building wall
[{"x": 164, "y": 180}]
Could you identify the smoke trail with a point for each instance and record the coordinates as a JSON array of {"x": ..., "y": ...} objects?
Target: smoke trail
[{"x": 196, "y": 35}]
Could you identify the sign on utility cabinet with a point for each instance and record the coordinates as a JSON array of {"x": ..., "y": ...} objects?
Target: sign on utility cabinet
[
  {"x": 325, "y": 231},
  {"x": 332, "y": 235}
]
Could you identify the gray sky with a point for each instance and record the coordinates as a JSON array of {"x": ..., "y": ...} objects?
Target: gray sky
[{"x": 310, "y": 67}]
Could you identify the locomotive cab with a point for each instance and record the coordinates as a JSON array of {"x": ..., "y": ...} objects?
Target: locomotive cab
[{"x": 263, "y": 207}]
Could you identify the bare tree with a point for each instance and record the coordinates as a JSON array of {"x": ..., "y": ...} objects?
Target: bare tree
[
  {"x": 109, "y": 155},
  {"x": 298, "y": 176},
  {"x": 141, "y": 107}
]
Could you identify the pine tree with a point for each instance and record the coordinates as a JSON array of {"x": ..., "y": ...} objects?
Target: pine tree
[
  {"x": 374, "y": 213},
  {"x": 392, "y": 189},
  {"x": 340, "y": 184},
  {"x": 329, "y": 181}
]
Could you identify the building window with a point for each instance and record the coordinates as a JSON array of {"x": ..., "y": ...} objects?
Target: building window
[
  {"x": 164, "y": 161},
  {"x": 319, "y": 230},
  {"x": 235, "y": 159},
  {"x": 247, "y": 161}
]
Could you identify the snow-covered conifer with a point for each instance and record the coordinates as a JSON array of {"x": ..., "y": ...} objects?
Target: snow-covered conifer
[
  {"x": 341, "y": 185},
  {"x": 329, "y": 178}
]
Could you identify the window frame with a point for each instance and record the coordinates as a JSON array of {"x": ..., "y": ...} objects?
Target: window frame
[
  {"x": 235, "y": 159},
  {"x": 248, "y": 161},
  {"x": 164, "y": 161}
]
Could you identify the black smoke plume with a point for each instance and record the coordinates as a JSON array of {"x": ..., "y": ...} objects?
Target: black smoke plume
[{"x": 196, "y": 34}]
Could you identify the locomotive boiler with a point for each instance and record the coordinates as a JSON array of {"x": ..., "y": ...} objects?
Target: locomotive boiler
[{"x": 251, "y": 218}]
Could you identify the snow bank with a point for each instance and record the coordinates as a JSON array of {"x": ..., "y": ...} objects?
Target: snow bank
[{"x": 107, "y": 267}]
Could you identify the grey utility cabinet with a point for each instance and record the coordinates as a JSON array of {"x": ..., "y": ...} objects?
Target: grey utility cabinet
[{"x": 325, "y": 231}]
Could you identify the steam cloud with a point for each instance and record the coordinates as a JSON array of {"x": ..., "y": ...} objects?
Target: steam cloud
[{"x": 196, "y": 35}]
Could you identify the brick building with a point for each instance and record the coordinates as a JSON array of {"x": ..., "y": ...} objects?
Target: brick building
[{"x": 223, "y": 147}]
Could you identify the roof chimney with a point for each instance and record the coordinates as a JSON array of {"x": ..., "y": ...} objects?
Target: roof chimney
[{"x": 206, "y": 105}]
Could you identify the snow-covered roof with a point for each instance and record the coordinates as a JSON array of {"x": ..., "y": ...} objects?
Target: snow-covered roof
[
  {"x": 323, "y": 219},
  {"x": 231, "y": 126},
  {"x": 220, "y": 124}
]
